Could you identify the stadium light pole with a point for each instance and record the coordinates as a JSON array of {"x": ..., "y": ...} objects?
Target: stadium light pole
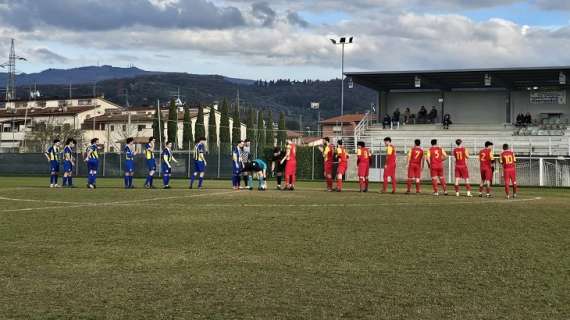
[{"x": 342, "y": 41}]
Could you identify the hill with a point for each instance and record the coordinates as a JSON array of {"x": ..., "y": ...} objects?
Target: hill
[{"x": 145, "y": 88}]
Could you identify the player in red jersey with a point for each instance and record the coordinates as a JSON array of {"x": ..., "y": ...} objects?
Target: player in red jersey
[
  {"x": 328, "y": 161},
  {"x": 415, "y": 166},
  {"x": 435, "y": 158},
  {"x": 342, "y": 157},
  {"x": 486, "y": 160},
  {"x": 290, "y": 161},
  {"x": 389, "y": 166},
  {"x": 508, "y": 160},
  {"x": 461, "y": 155},
  {"x": 363, "y": 163}
]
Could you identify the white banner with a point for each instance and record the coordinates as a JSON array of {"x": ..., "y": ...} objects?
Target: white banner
[{"x": 548, "y": 97}]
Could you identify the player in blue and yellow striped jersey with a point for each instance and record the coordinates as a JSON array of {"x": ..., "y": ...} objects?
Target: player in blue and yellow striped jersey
[
  {"x": 150, "y": 162},
  {"x": 129, "y": 163},
  {"x": 237, "y": 165},
  {"x": 167, "y": 161},
  {"x": 199, "y": 162},
  {"x": 52, "y": 155},
  {"x": 92, "y": 159},
  {"x": 68, "y": 162}
]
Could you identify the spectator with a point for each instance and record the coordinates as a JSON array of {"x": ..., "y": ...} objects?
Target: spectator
[
  {"x": 407, "y": 116},
  {"x": 433, "y": 115},
  {"x": 422, "y": 115},
  {"x": 528, "y": 119},
  {"x": 520, "y": 120},
  {"x": 387, "y": 122},
  {"x": 396, "y": 118},
  {"x": 446, "y": 121}
]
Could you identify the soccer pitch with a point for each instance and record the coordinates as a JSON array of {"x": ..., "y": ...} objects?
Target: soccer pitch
[{"x": 112, "y": 253}]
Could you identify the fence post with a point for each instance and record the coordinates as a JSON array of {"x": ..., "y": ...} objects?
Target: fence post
[
  {"x": 104, "y": 162},
  {"x": 549, "y": 146},
  {"x": 541, "y": 172},
  {"x": 188, "y": 163},
  {"x": 313, "y": 165},
  {"x": 219, "y": 159}
]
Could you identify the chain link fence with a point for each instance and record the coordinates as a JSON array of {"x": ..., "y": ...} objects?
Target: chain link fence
[{"x": 531, "y": 171}]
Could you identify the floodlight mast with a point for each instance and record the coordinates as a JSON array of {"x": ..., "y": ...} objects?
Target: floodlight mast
[
  {"x": 342, "y": 41},
  {"x": 11, "y": 65}
]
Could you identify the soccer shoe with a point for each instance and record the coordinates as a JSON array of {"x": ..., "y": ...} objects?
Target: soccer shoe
[
  {"x": 278, "y": 187},
  {"x": 436, "y": 194},
  {"x": 514, "y": 195},
  {"x": 445, "y": 193},
  {"x": 480, "y": 195},
  {"x": 90, "y": 186},
  {"x": 457, "y": 194},
  {"x": 51, "y": 185},
  {"x": 508, "y": 197},
  {"x": 365, "y": 190},
  {"x": 407, "y": 192},
  {"x": 56, "y": 185},
  {"x": 292, "y": 188},
  {"x": 488, "y": 195},
  {"x": 469, "y": 194},
  {"x": 166, "y": 187}
]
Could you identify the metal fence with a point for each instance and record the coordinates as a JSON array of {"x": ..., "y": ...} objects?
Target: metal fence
[{"x": 531, "y": 171}]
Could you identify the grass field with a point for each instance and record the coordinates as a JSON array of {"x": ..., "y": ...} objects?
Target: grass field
[{"x": 218, "y": 254}]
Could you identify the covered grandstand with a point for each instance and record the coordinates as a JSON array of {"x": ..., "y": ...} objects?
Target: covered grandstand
[{"x": 483, "y": 104}]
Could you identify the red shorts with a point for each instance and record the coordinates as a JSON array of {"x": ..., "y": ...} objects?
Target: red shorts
[
  {"x": 414, "y": 172},
  {"x": 290, "y": 168},
  {"x": 510, "y": 176},
  {"x": 328, "y": 166},
  {"x": 363, "y": 171},
  {"x": 436, "y": 172},
  {"x": 389, "y": 171},
  {"x": 461, "y": 173},
  {"x": 341, "y": 169},
  {"x": 486, "y": 174}
]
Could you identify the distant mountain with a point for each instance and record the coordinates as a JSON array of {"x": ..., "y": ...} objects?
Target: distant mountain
[{"x": 146, "y": 87}]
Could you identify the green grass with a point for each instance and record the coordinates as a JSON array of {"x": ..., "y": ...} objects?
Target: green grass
[{"x": 218, "y": 254}]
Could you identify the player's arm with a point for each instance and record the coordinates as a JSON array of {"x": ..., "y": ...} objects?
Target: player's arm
[
  {"x": 466, "y": 153},
  {"x": 287, "y": 154},
  {"x": 409, "y": 156},
  {"x": 428, "y": 157},
  {"x": 47, "y": 154},
  {"x": 165, "y": 159},
  {"x": 88, "y": 154},
  {"x": 444, "y": 155}
]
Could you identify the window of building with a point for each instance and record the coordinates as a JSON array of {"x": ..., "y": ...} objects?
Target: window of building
[
  {"x": 124, "y": 128},
  {"x": 112, "y": 127},
  {"x": 84, "y": 102},
  {"x": 62, "y": 103},
  {"x": 141, "y": 127}
]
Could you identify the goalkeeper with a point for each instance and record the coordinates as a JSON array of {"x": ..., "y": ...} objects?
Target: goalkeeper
[{"x": 259, "y": 167}]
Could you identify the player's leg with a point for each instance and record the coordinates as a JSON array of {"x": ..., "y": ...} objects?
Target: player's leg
[
  {"x": 417, "y": 177},
  {"x": 514, "y": 180},
  {"x": 442, "y": 181},
  {"x": 126, "y": 179},
  {"x": 201, "y": 180},
  {"x": 366, "y": 180},
  {"x": 434, "y": 183},
  {"x": 507, "y": 179},
  {"x": 193, "y": 177},
  {"x": 468, "y": 187},
  {"x": 385, "y": 181},
  {"x": 409, "y": 181},
  {"x": 339, "y": 180},
  {"x": 456, "y": 185}
]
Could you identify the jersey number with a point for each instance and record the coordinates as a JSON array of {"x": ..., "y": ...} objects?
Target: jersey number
[
  {"x": 417, "y": 156},
  {"x": 509, "y": 159},
  {"x": 459, "y": 156}
]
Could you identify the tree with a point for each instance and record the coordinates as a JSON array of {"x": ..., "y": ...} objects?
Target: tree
[
  {"x": 187, "y": 138},
  {"x": 236, "y": 128},
  {"x": 225, "y": 123},
  {"x": 212, "y": 128},
  {"x": 199, "y": 129},
  {"x": 250, "y": 124},
  {"x": 269, "y": 131},
  {"x": 172, "y": 122},
  {"x": 157, "y": 129},
  {"x": 43, "y": 134},
  {"x": 282, "y": 134},
  {"x": 260, "y": 128}
]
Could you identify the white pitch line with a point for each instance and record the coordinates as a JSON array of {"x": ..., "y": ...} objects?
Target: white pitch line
[
  {"x": 118, "y": 203},
  {"x": 35, "y": 200}
]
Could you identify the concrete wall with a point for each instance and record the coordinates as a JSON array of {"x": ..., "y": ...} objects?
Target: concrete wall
[
  {"x": 463, "y": 106},
  {"x": 520, "y": 102}
]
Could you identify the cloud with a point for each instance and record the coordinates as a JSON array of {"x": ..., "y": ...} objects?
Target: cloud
[
  {"x": 552, "y": 4},
  {"x": 47, "y": 56},
  {"x": 263, "y": 12},
  {"x": 294, "y": 19},
  {"x": 111, "y": 14}
]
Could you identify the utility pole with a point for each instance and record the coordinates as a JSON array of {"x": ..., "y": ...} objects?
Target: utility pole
[
  {"x": 11, "y": 65},
  {"x": 342, "y": 42}
]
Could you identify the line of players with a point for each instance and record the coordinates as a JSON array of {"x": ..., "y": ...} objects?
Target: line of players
[
  {"x": 284, "y": 164},
  {"x": 434, "y": 158},
  {"x": 91, "y": 158}
]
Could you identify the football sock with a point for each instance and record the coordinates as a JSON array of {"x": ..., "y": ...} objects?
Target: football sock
[
  {"x": 456, "y": 188},
  {"x": 279, "y": 178},
  {"x": 261, "y": 182},
  {"x": 443, "y": 184},
  {"x": 515, "y": 188},
  {"x": 468, "y": 186},
  {"x": 434, "y": 185},
  {"x": 250, "y": 181},
  {"x": 165, "y": 180},
  {"x": 418, "y": 187},
  {"x": 366, "y": 183},
  {"x": 393, "y": 185},
  {"x": 126, "y": 181},
  {"x": 69, "y": 181},
  {"x": 488, "y": 190},
  {"x": 192, "y": 178},
  {"x": 385, "y": 185},
  {"x": 339, "y": 184},
  {"x": 329, "y": 183},
  {"x": 200, "y": 181},
  {"x": 480, "y": 188},
  {"x": 409, "y": 185}
]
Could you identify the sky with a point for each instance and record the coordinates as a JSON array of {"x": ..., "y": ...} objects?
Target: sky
[{"x": 285, "y": 38}]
